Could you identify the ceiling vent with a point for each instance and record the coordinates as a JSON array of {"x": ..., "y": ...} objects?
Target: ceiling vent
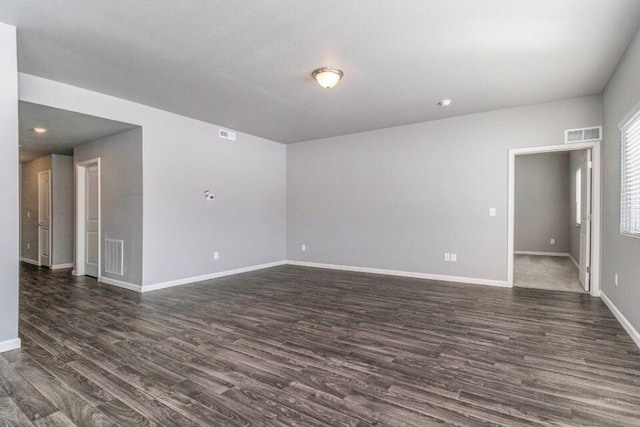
[
  {"x": 225, "y": 134},
  {"x": 583, "y": 135}
]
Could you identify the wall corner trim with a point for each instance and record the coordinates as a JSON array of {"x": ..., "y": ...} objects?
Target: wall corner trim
[
  {"x": 120, "y": 284},
  {"x": 10, "y": 345},
  {"x": 428, "y": 276},
  {"x": 635, "y": 336},
  {"x": 188, "y": 280}
]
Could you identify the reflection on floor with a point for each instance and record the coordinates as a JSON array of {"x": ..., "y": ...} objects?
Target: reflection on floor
[{"x": 546, "y": 272}]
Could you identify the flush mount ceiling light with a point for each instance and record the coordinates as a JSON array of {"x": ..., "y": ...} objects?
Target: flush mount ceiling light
[
  {"x": 445, "y": 103},
  {"x": 39, "y": 130},
  {"x": 327, "y": 77}
]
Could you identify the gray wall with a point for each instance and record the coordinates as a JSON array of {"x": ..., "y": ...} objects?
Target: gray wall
[
  {"x": 542, "y": 203},
  {"x": 8, "y": 184},
  {"x": 62, "y": 199},
  {"x": 182, "y": 157},
  {"x": 120, "y": 195},
  {"x": 620, "y": 253},
  {"x": 29, "y": 198},
  {"x": 399, "y": 198}
]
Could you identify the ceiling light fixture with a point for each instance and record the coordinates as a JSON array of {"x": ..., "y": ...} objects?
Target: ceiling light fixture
[
  {"x": 327, "y": 77},
  {"x": 39, "y": 130},
  {"x": 445, "y": 103}
]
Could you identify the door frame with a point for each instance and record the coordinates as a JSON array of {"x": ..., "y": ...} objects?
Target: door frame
[
  {"x": 81, "y": 185},
  {"x": 596, "y": 208},
  {"x": 40, "y": 243}
]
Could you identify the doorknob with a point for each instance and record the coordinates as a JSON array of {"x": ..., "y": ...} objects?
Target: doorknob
[{"x": 40, "y": 224}]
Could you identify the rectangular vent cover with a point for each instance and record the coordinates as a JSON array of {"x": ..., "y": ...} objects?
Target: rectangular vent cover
[
  {"x": 583, "y": 134},
  {"x": 113, "y": 256},
  {"x": 227, "y": 134}
]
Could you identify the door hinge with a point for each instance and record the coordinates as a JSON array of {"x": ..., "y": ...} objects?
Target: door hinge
[
  {"x": 588, "y": 269},
  {"x": 590, "y": 164}
]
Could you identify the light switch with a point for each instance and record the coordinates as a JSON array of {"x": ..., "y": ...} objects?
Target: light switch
[{"x": 492, "y": 211}]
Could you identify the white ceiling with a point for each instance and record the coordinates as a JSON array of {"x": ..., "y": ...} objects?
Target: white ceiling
[
  {"x": 65, "y": 130},
  {"x": 246, "y": 64}
]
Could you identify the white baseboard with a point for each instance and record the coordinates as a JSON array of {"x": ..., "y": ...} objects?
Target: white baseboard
[
  {"x": 635, "y": 336},
  {"x": 575, "y": 262},
  {"x": 456, "y": 279},
  {"x": 61, "y": 266},
  {"x": 179, "y": 282},
  {"x": 30, "y": 261},
  {"x": 120, "y": 284},
  {"x": 542, "y": 253},
  {"x": 10, "y": 345}
]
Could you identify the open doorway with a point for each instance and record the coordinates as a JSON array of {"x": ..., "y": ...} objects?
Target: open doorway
[
  {"x": 60, "y": 170},
  {"x": 554, "y": 210}
]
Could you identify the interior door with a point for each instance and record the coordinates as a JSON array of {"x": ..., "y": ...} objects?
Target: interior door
[
  {"x": 44, "y": 218},
  {"x": 585, "y": 219},
  {"x": 92, "y": 221}
]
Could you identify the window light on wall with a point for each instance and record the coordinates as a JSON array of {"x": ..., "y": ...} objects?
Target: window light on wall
[{"x": 630, "y": 174}]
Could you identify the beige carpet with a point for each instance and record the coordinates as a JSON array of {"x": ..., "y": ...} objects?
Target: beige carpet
[{"x": 546, "y": 272}]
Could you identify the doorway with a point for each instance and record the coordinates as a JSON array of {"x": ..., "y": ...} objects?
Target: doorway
[
  {"x": 44, "y": 218},
  {"x": 580, "y": 264},
  {"x": 88, "y": 219}
]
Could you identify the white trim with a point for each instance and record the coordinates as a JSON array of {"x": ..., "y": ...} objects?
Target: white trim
[
  {"x": 575, "y": 262},
  {"x": 50, "y": 243},
  {"x": 120, "y": 284},
  {"x": 429, "y": 276},
  {"x": 80, "y": 180},
  {"x": 635, "y": 336},
  {"x": 595, "y": 203},
  {"x": 61, "y": 266},
  {"x": 30, "y": 261},
  {"x": 9, "y": 345},
  {"x": 563, "y": 254},
  {"x": 179, "y": 282}
]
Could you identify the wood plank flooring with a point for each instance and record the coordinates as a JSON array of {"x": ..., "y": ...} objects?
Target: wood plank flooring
[{"x": 294, "y": 346}]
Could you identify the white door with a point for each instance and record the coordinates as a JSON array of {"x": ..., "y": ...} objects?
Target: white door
[
  {"x": 44, "y": 218},
  {"x": 92, "y": 221},
  {"x": 584, "y": 187}
]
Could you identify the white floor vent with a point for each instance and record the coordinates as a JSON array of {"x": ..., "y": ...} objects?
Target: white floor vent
[
  {"x": 113, "y": 256},
  {"x": 583, "y": 135}
]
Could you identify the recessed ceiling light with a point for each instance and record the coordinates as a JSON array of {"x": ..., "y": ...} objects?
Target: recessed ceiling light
[
  {"x": 39, "y": 130},
  {"x": 445, "y": 103},
  {"x": 327, "y": 77}
]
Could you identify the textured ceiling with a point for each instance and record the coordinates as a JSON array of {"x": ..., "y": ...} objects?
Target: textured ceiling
[
  {"x": 65, "y": 130},
  {"x": 246, "y": 64}
]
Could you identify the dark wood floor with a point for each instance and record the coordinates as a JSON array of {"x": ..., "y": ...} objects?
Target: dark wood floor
[{"x": 307, "y": 347}]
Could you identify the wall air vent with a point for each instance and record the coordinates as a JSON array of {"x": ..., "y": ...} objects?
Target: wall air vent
[
  {"x": 227, "y": 134},
  {"x": 113, "y": 256},
  {"x": 583, "y": 135}
]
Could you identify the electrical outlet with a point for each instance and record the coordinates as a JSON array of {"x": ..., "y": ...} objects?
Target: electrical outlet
[
  {"x": 552, "y": 241},
  {"x": 303, "y": 248},
  {"x": 216, "y": 255},
  {"x": 615, "y": 277},
  {"x": 454, "y": 257},
  {"x": 447, "y": 256}
]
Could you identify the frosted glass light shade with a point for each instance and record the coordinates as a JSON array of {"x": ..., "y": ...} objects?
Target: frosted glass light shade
[{"x": 327, "y": 77}]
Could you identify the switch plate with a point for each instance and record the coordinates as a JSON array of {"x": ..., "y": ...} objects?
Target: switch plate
[
  {"x": 28, "y": 214},
  {"x": 303, "y": 248},
  {"x": 29, "y": 247},
  {"x": 447, "y": 256},
  {"x": 216, "y": 255},
  {"x": 616, "y": 279},
  {"x": 492, "y": 211},
  {"x": 454, "y": 257},
  {"x": 552, "y": 241}
]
